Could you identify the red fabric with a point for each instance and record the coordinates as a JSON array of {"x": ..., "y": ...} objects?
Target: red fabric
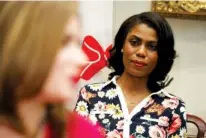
[
  {"x": 78, "y": 127},
  {"x": 97, "y": 58}
]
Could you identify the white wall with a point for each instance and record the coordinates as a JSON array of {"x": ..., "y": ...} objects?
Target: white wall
[
  {"x": 97, "y": 20},
  {"x": 124, "y": 9},
  {"x": 189, "y": 71},
  {"x": 190, "y": 68}
]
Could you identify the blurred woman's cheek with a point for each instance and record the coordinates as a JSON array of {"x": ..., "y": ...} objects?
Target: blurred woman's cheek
[{"x": 75, "y": 55}]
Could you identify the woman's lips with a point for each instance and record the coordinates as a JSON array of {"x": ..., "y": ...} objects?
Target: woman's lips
[
  {"x": 139, "y": 63},
  {"x": 76, "y": 77}
]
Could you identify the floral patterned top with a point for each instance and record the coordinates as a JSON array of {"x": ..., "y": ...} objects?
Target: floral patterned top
[{"x": 160, "y": 115}]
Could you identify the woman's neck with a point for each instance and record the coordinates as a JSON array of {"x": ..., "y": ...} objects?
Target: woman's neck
[
  {"x": 133, "y": 84},
  {"x": 32, "y": 115}
]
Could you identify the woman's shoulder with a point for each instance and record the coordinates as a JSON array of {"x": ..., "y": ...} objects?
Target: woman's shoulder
[
  {"x": 172, "y": 99},
  {"x": 100, "y": 86}
]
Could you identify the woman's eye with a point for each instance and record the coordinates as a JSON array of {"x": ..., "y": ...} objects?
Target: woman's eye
[
  {"x": 134, "y": 42},
  {"x": 66, "y": 40},
  {"x": 152, "y": 47}
]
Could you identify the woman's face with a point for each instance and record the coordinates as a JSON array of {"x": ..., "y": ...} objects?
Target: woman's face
[
  {"x": 140, "y": 51},
  {"x": 59, "y": 86}
]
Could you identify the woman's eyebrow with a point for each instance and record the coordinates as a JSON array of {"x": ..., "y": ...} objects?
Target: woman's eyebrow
[
  {"x": 135, "y": 37},
  {"x": 139, "y": 38},
  {"x": 152, "y": 42}
]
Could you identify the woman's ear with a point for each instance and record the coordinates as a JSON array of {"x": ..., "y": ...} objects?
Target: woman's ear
[{"x": 122, "y": 50}]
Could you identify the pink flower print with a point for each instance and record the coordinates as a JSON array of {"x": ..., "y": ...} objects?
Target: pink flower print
[
  {"x": 114, "y": 134},
  {"x": 120, "y": 124},
  {"x": 83, "y": 93},
  {"x": 100, "y": 106},
  {"x": 163, "y": 121},
  {"x": 175, "y": 125},
  {"x": 171, "y": 103},
  {"x": 87, "y": 95},
  {"x": 156, "y": 132}
]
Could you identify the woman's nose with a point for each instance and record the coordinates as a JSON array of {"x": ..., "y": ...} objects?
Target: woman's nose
[
  {"x": 141, "y": 51},
  {"x": 81, "y": 57}
]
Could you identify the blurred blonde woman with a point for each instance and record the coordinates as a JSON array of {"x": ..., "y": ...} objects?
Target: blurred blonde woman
[{"x": 38, "y": 49}]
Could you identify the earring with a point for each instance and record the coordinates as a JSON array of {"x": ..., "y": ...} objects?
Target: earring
[{"x": 122, "y": 50}]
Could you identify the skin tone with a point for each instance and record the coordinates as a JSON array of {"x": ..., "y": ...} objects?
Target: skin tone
[
  {"x": 139, "y": 58},
  {"x": 58, "y": 87}
]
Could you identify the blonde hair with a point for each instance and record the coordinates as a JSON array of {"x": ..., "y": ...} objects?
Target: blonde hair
[{"x": 30, "y": 35}]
